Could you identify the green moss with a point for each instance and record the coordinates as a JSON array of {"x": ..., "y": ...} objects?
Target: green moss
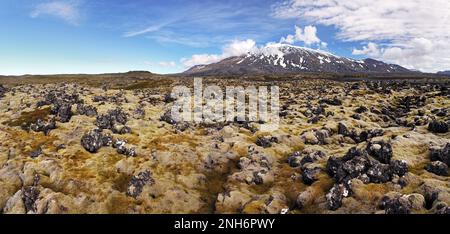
[
  {"x": 148, "y": 84},
  {"x": 27, "y": 118}
]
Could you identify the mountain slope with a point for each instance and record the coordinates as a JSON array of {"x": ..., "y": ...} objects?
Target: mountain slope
[
  {"x": 281, "y": 58},
  {"x": 445, "y": 73}
]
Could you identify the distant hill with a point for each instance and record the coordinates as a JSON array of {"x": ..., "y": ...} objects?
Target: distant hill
[
  {"x": 282, "y": 58},
  {"x": 445, "y": 73}
]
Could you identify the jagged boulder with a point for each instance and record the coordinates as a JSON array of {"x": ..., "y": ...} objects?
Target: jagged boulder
[
  {"x": 380, "y": 150},
  {"x": 266, "y": 142},
  {"x": 63, "y": 112},
  {"x": 335, "y": 196},
  {"x": 120, "y": 145},
  {"x": 92, "y": 141},
  {"x": 137, "y": 183},
  {"x": 438, "y": 127},
  {"x": 438, "y": 168},
  {"x": 43, "y": 126},
  {"x": 167, "y": 117},
  {"x": 86, "y": 110},
  {"x": 3, "y": 90},
  {"x": 442, "y": 155},
  {"x": 333, "y": 102},
  {"x": 309, "y": 175}
]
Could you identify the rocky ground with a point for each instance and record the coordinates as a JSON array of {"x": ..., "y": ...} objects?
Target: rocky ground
[{"x": 342, "y": 147}]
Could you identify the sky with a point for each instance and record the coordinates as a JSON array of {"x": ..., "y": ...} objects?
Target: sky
[{"x": 169, "y": 36}]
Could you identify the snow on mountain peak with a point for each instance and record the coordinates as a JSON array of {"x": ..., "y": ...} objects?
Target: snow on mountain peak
[{"x": 285, "y": 58}]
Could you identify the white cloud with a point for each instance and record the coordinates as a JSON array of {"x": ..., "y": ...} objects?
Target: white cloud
[
  {"x": 418, "y": 54},
  {"x": 371, "y": 49},
  {"x": 307, "y": 36},
  {"x": 161, "y": 64},
  {"x": 289, "y": 39},
  {"x": 418, "y": 29},
  {"x": 65, "y": 10},
  {"x": 153, "y": 28},
  {"x": 235, "y": 48},
  {"x": 167, "y": 64},
  {"x": 149, "y": 29}
]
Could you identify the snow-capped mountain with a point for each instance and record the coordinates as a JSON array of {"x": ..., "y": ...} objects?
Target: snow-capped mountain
[{"x": 282, "y": 58}]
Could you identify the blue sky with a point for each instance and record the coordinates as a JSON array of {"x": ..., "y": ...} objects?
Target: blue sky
[{"x": 81, "y": 36}]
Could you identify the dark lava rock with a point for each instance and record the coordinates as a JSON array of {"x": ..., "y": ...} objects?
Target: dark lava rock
[
  {"x": 342, "y": 129},
  {"x": 356, "y": 116},
  {"x": 36, "y": 153},
  {"x": 375, "y": 111},
  {"x": 355, "y": 86},
  {"x": 167, "y": 117},
  {"x": 283, "y": 114},
  {"x": 309, "y": 175},
  {"x": 295, "y": 159},
  {"x": 122, "y": 149},
  {"x": 29, "y": 196},
  {"x": 107, "y": 140},
  {"x": 100, "y": 99},
  {"x": 61, "y": 104},
  {"x": 42, "y": 126},
  {"x": 137, "y": 182},
  {"x": 139, "y": 113},
  {"x": 168, "y": 98},
  {"x": 249, "y": 126},
  {"x": 361, "y": 109},
  {"x": 258, "y": 176},
  {"x": 359, "y": 137},
  {"x": 335, "y": 195},
  {"x": 398, "y": 167},
  {"x": 380, "y": 150},
  {"x": 334, "y": 102},
  {"x": 442, "y": 155},
  {"x": 314, "y": 119},
  {"x": 120, "y": 129},
  {"x": 60, "y": 147},
  {"x": 442, "y": 209},
  {"x": 111, "y": 119},
  {"x": 92, "y": 141},
  {"x": 354, "y": 152},
  {"x": 352, "y": 169},
  {"x": 263, "y": 142},
  {"x": 103, "y": 122},
  {"x": 58, "y": 98},
  {"x": 129, "y": 152},
  {"x": 438, "y": 168},
  {"x": 333, "y": 165},
  {"x": 320, "y": 110},
  {"x": 412, "y": 101},
  {"x": 3, "y": 90},
  {"x": 438, "y": 127},
  {"x": 182, "y": 126},
  {"x": 125, "y": 130},
  {"x": 86, "y": 110},
  {"x": 442, "y": 113},
  {"x": 118, "y": 116},
  {"x": 400, "y": 205},
  {"x": 379, "y": 173},
  {"x": 312, "y": 157},
  {"x": 266, "y": 142},
  {"x": 63, "y": 112},
  {"x": 375, "y": 133},
  {"x": 357, "y": 164}
]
